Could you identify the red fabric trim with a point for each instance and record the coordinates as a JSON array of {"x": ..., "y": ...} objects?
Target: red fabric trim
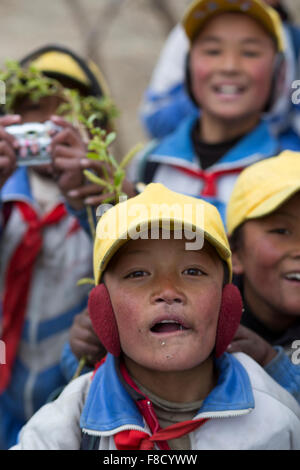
[
  {"x": 99, "y": 364},
  {"x": 74, "y": 228},
  {"x": 133, "y": 440},
  {"x": 138, "y": 440},
  {"x": 18, "y": 280},
  {"x": 210, "y": 179}
]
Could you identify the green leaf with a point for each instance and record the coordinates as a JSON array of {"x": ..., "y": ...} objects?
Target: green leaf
[
  {"x": 85, "y": 280},
  {"x": 128, "y": 157},
  {"x": 95, "y": 179}
]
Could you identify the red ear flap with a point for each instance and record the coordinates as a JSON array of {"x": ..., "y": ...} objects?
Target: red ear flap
[
  {"x": 229, "y": 318},
  {"x": 103, "y": 319}
]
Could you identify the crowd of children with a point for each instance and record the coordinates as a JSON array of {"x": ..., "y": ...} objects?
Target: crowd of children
[{"x": 182, "y": 334}]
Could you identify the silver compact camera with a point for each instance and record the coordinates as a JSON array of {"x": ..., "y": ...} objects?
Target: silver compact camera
[{"x": 34, "y": 139}]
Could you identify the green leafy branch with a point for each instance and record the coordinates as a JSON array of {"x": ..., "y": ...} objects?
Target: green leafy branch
[
  {"x": 113, "y": 172},
  {"x": 21, "y": 82}
]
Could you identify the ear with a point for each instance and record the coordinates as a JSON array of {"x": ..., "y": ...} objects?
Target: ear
[
  {"x": 229, "y": 318},
  {"x": 103, "y": 319},
  {"x": 237, "y": 264}
]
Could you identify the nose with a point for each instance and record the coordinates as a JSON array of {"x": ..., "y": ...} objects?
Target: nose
[
  {"x": 295, "y": 252},
  {"x": 230, "y": 62},
  {"x": 166, "y": 292}
]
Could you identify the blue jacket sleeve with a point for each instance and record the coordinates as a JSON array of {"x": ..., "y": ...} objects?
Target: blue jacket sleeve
[
  {"x": 82, "y": 217},
  {"x": 164, "y": 112},
  {"x": 69, "y": 363},
  {"x": 285, "y": 372}
]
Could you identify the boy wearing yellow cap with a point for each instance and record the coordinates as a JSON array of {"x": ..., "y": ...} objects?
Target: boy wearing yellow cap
[
  {"x": 164, "y": 308},
  {"x": 264, "y": 228},
  {"x": 234, "y": 72},
  {"x": 44, "y": 251},
  {"x": 166, "y": 101}
]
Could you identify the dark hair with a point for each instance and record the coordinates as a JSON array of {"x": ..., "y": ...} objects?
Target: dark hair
[{"x": 236, "y": 238}]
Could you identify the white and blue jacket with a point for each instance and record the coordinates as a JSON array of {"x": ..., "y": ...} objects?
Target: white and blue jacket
[
  {"x": 172, "y": 161},
  {"x": 54, "y": 300},
  {"x": 247, "y": 410}
]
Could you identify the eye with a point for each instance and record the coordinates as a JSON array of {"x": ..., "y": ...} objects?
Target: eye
[
  {"x": 280, "y": 231},
  {"x": 252, "y": 54},
  {"x": 136, "y": 274},
  {"x": 194, "y": 272},
  {"x": 212, "y": 52}
]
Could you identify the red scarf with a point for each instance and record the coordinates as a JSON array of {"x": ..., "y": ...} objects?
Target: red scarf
[
  {"x": 139, "y": 440},
  {"x": 210, "y": 179},
  {"x": 18, "y": 280}
]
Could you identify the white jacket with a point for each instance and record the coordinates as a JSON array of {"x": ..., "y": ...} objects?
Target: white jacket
[{"x": 273, "y": 423}]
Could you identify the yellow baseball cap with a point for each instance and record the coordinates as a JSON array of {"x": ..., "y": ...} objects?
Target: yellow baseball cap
[
  {"x": 58, "y": 62},
  {"x": 201, "y": 10},
  {"x": 262, "y": 187},
  {"x": 157, "y": 206}
]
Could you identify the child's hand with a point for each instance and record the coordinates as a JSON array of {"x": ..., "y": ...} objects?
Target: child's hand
[
  {"x": 67, "y": 150},
  {"x": 255, "y": 346},
  {"x": 84, "y": 341},
  {"x": 8, "y": 146},
  {"x": 93, "y": 194}
]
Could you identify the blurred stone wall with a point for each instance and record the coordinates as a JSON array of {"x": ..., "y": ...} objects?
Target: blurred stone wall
[{"x": 125, "y": 36}]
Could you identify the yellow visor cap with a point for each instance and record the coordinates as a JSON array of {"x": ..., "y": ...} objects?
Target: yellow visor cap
[
  {"x": 160, "y": 207},
  {"x": 202, "y": 10},
  {"x": 262, "y": 187}
]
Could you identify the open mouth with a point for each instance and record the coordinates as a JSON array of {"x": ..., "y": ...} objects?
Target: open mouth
[
  {"x": 229, "y": 90},
  {"x": 293, "y": 277},
  {"x": 168, "y": 326}
]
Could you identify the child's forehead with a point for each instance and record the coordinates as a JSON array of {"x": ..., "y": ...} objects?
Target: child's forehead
[
  {"x": 241, "y": 23},
  {"x": 146, "y": 248}
]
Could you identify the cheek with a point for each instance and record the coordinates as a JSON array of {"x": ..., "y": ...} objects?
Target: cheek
[
  {"x": 262, "y": 257},
  {"x": 127, "y": 313},
  {"x": 200, "y": 71},
  {"x": 208, "y": 310},
  {"x": 261, "y": 77}
]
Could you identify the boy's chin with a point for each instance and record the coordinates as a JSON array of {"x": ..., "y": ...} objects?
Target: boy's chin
[{"x": 172, "y": 362}]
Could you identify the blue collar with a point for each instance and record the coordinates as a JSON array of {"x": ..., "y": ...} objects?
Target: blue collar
[
  {"x": 109, "y": 406},
  {"x": 17, "y": 187},
  {"x": 259, "y": 143}
]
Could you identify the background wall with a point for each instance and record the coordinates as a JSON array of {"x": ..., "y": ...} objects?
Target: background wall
[{"x": 123, "y": 36}]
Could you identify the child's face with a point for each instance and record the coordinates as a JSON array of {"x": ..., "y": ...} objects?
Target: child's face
[
  {"x": 268, "y": 256},
  {"x": 166, "y": 302},
  {"x": 231, "y": 67},
  {"x": 39, "y": 111}
]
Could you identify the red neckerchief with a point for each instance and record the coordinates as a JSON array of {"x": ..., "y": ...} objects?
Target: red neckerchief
[
  {"x": 210, "y": 179},
  {"x": 18, "y": 280},
  {"x": 138, "y": 440}
]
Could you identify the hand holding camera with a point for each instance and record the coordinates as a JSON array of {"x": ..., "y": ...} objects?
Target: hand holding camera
[
  {"x": 34, "y": 139},
  {"x": 9, "y": 146}
]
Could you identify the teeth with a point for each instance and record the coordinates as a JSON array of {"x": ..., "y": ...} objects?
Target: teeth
[
  {"x": 293, "y": 276},
  {"x": 228, "y": 89},
  {"x": 168, "y": 321}
]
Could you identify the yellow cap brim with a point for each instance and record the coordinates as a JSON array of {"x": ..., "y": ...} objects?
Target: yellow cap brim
[
  {"x": 60, "y": 63},
  {"x": 273, "y": 202}
]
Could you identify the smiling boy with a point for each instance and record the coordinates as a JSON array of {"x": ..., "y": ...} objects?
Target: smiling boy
[
  {"x": 166, "y": 101},
  {"x": 264, "y": 229},
  {"x": 166, "y": 314}
]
